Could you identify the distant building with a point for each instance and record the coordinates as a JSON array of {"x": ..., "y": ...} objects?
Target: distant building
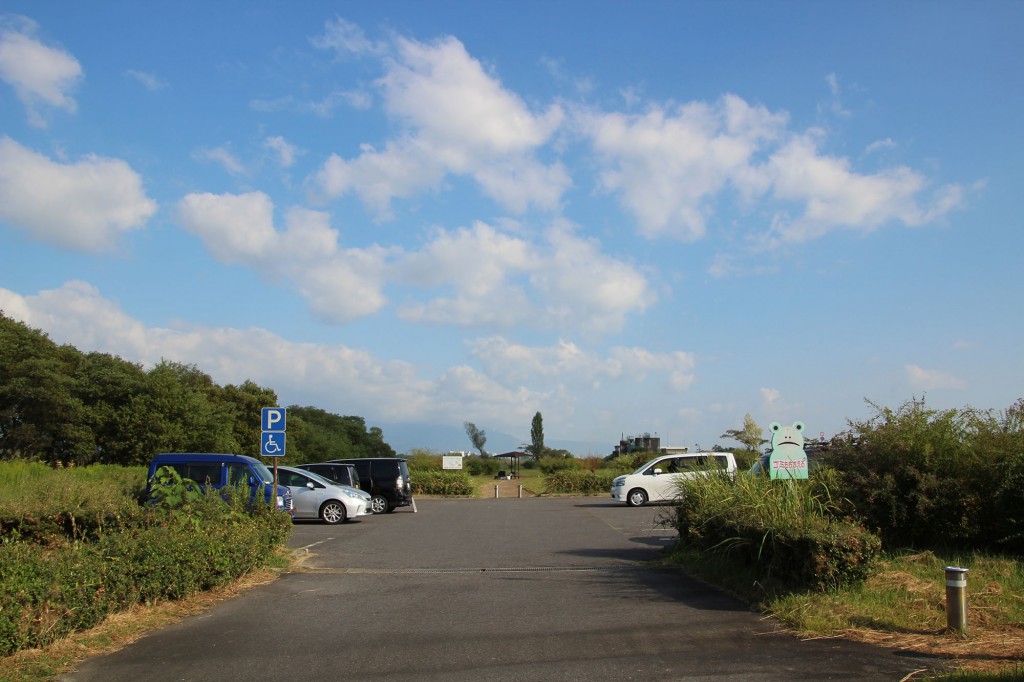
[{"x": 645, "y": 442}]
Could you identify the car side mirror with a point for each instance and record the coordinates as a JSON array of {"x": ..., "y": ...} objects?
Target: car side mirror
[
  {"x": 657, "y": 471},
  {"x": 309, "y": 484},
  {"x": 252, "y": 481}
]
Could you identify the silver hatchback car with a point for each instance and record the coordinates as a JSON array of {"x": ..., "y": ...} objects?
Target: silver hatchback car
[{"x": 315, "y": 497}]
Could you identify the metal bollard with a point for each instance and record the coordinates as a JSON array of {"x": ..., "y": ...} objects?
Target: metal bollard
[
  {"x": 520, "y": 491},
  {"x": 956, "y": 599},
  {"x": 495, "y": 491}
]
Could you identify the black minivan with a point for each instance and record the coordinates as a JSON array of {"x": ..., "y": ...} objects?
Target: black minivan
[{"x": 385, "y": 478}]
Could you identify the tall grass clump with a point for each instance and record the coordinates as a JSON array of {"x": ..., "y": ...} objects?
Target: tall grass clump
[
  {"x": 927, "y": 478},
  {"x": 788, "y": 532},
  {"x": 49, "y": 506}
]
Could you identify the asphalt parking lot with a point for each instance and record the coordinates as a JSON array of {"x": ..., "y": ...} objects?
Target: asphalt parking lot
[{"x": 502, "y": 589}]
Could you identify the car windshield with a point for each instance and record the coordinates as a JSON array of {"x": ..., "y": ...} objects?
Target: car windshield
[{"x": 263, "y": 471}]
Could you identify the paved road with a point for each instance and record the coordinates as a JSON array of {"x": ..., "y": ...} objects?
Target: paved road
[{"x": 534, "y": 589}]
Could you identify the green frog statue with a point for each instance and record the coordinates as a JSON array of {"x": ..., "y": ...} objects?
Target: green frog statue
[{"x": 788, "y": 459}]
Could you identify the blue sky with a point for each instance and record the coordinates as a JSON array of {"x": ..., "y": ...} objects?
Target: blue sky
[{"x": 631, "y": 217}]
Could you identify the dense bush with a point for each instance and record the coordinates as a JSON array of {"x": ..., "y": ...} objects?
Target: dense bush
[
  {"x": 628, "y": 462},
  {"x": 424, "y": 460},
  {"x": 450, "y": 483},
  {"x": 928, "y": 478},
  {"x": 577, "y": 482},
  {"x": 47, "y": 593},
  {"x": 787, "y": 531},
  {"x": 70, "y": 582},
  {"x": 482, "y": 466},
  {"x": 550, "y": 465}
]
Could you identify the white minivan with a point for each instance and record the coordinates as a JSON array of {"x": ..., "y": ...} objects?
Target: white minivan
[{"x": 658, "y": 479}]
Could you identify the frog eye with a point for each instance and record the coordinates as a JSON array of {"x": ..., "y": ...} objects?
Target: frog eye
[
  {"x": 799, "y": 426},
  {"x": 775, "y": 426}
]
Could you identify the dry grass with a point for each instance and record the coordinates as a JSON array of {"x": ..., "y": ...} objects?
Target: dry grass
[{"x": 912, "y": 612}]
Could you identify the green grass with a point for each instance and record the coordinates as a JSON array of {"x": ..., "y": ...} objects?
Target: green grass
[
  {"x": 902, "y": 604},
  {"x": 42, "y": 504}
]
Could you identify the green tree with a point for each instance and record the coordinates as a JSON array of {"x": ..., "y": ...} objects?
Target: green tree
[
  {"x": 320, "y": 435},
  {"x": 246, "y": 401},
  {"x": 536, "y": 446},
  {"x": 749, "y": 435},
  {"x": 106, "y": 385},
  {"x": 41, "y": 417},
  {"x": 478, "y": 437}
]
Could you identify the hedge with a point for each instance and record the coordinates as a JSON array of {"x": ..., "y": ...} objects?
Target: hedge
[
  {"x": 578, "y": 482},
  {"x": 47, "y": 593},
  {"x": 450, "y": 483}
]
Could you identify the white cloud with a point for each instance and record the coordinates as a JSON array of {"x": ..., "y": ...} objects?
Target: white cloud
[
  {"x": 148, "y": 80},
  {"x": 567, "y": 362},
  {"x": 834, "y": 196},
  {"x": 286, "y": 152},
  {"x": 668, "y": 164},
  {"x": 586, "y": 289},
  {"x": 770, "y": 396},
  {"x": 40, "y": 75},
  {"x": 338, "y": 378},
  {"x": 401, "y": 170},
  {"x": 339, "y": 284},
  {"x": 921, "y": 379},
  {"x": 346, "y": 39},
  {"x": 836, "y": 105},
  {"x": 477, "y": 276},
  {"x": 457, "y": 119},
  {"x": 506, "y": 281},
  {"x": 83, "y": 206},
  {"x": 879, "y": 145},
  {"x": 223, "y": 157}
]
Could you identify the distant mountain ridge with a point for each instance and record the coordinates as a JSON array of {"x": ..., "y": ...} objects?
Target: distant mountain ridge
[{"x": 403, "y": 437}]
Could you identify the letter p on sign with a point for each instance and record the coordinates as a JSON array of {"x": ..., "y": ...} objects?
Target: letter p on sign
[{"x": 274, "y": 419}]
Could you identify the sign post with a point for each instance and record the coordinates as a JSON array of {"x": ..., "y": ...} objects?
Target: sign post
[{"x": 273, "y": 424}]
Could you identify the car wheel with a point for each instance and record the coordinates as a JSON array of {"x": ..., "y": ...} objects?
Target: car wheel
[
  {"x": 379, "y": 505},
  {"x": 332, "y": 512},
  {"x": 636, "y": 498}
]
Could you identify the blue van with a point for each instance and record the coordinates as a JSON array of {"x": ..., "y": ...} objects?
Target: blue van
[{"x": 220, "y": 470}]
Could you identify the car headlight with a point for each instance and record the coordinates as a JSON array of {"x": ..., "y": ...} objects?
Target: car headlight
[{"x": 350, "y": 494}]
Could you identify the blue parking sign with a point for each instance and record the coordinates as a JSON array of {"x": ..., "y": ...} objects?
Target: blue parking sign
[
  {"x": 272, "y": 444},
  {"x": 274, "y": 419}
]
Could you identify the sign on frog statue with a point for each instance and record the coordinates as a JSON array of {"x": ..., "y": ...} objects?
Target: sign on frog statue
[{"x": 788, "y": 459}]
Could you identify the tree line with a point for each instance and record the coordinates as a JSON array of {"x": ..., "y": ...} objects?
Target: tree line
[{"x": 58, "y": 404}]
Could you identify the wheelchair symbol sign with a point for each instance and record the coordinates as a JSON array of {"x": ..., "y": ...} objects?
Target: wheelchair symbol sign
[{"x": 272, "y": 444}]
